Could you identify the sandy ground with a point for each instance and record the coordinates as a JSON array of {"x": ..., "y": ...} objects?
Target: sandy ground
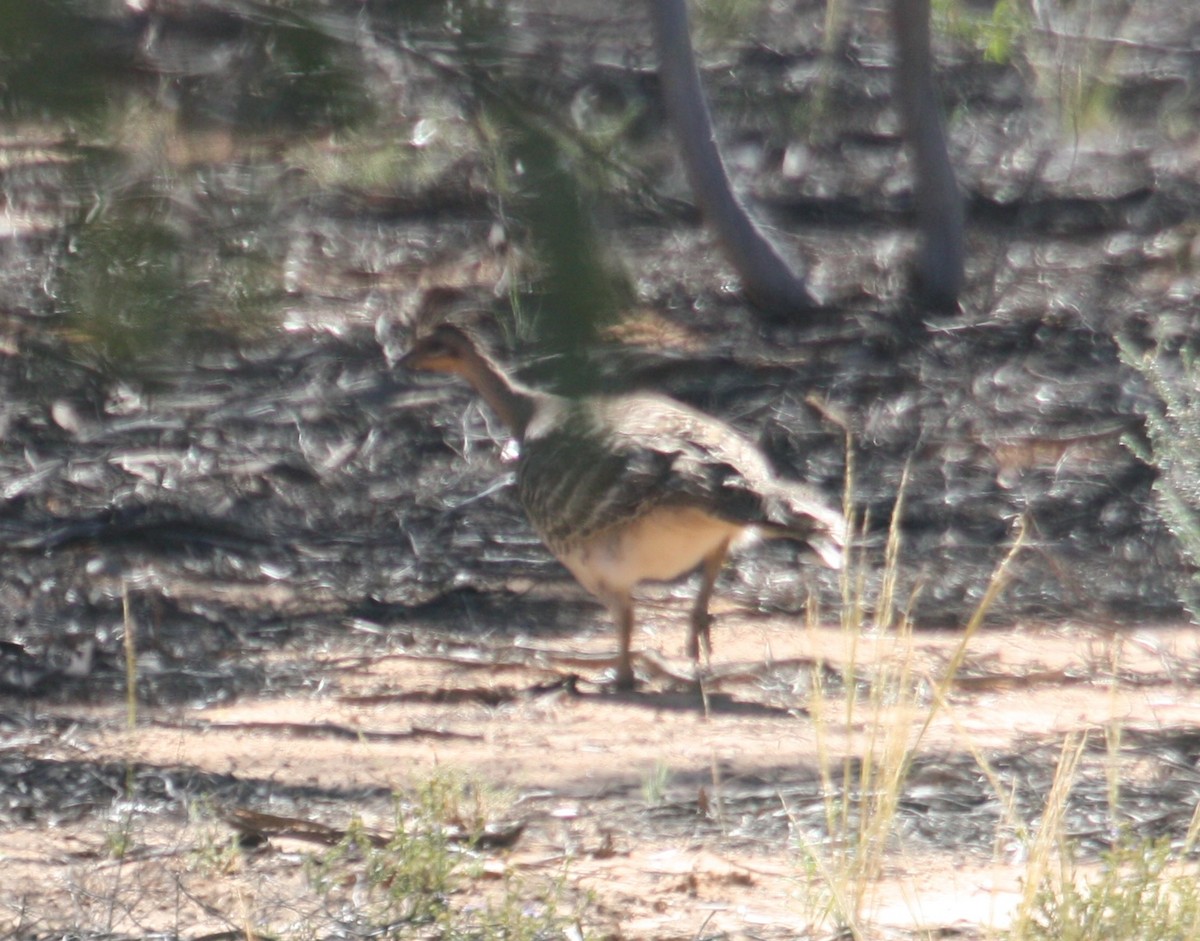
[{"x": 675, "y": 817}]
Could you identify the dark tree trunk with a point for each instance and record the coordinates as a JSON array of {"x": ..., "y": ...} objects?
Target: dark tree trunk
[
  {"x": 939, "y": 204},
  {"x": 768, "y": 281}
]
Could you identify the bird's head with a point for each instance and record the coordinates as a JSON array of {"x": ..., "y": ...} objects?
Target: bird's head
[{"x": 445, "y": 349}]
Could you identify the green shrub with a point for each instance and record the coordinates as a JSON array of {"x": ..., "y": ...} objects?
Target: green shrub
[
  {"x": 1142, "y": 892},
  {"x": 1173, "y": 435}
]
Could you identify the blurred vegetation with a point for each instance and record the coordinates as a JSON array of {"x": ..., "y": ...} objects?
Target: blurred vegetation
[
  {"x": 152, "y": 107},
  {"x": 137, "y": 291},
  {"x": 541, "y": 169},
  {"x": 421, "y": 883},
  {"x": 1143, "y": 891},
  {"x": 577, "y": 286},
  {"x": 153, "y": 111},
  {"x": 57, "y": 60},
  {"x": 1173, "y": 435},
  {"x": 149, "y": 110},
  {"x": 714, "y": 21},
  {"x": 73, "y": 60},
  {"x": 997, "y": 34}
]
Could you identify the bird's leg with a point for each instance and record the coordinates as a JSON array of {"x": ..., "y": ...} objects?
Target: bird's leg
[
  {"x": 621, "y": 606},
  {"x": 699, "y": 635}
]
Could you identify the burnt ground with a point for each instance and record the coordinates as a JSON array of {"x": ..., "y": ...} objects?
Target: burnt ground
[{"x": 334, "y": 592}]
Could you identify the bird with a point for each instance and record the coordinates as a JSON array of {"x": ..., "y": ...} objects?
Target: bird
[{"x": 635, "y": 487}]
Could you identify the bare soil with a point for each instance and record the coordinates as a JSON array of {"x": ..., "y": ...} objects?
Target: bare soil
[{"x": 719, "y": 846}]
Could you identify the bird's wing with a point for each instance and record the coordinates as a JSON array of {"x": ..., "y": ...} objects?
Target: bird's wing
[
  {"x": 717, "y": 468},
  {"x": 601, "y": 461},
  {"x": 576, "y": 478},
  {"x": 604, "y": 461}
]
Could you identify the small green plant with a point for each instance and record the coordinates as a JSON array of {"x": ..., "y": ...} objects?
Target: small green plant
[
  {"x": 137, "y": 290},
  {"x": 215, "y": 850},
  {"x": 888, "y": 712},
  {"x": 719, "y": 21},
  {"x": 1142, "y": 891},
  {"x": 654, "y": 785},
  {"x": 460, "y": 801},
  {"x": 862, "y": 791},
  {"x": 1173, "y": 439},
  {"x": 216, "y": 855},
  {"x": 395, "y": 159},
  {"x": 423, "y": 879},
  {"x": 406, "y": 880},
  {"x": 997, "y": 35},
  {"x": 118, "y": 837},
  {"x": 519, "y": 915}
]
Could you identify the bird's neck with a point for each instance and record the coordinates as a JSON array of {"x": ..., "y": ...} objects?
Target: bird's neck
[{"x": 512, "y": 402}]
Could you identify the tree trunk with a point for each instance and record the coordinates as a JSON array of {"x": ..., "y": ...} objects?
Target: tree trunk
[
  {"x": 939, "y": 205},
  {"x": 768, "y": 281}
]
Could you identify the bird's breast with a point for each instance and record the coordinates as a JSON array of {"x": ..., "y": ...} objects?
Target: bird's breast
[{"x": 659, "y": 545}]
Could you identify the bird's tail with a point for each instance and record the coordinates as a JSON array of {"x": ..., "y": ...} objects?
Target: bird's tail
[
  {"x": 830, "y": 550},
  {"x": 806, "y": 518}
]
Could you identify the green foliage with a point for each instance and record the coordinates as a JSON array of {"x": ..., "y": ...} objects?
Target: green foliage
[
  {"x": 383, "y": 160},
  {"x": 722, "y": 21},
  {"x": 150, "y": 273},
  {"x": 1142, "y": 892},
  {"x": 118, "y": 837},
  {"x": 546, "y": 185},
  {"x": 548, "y": 181},
  {"x": 74, "y": 60},
  {"x": 518, "y": 915},
  {"x": 307, "y": 80},
  {"x": 139, "y": 291},
  {"x": 216, "y": 851},
  {"x": 123, "y": 286},
  {"x": 654, "y": 784},
  {"x": 458, "y": 800},
  {"x": 1002, "y": 31},
  {"x": 55, "y": 59},
  {"x": 407, "y": 880},
  {"x": 408, "y": 885},
  {"x": 1173, "y": 433},
  {"x": 997, "y": 35},
  {"x": 582, "y": 287}
]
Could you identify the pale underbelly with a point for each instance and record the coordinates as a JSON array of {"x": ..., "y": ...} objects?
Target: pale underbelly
[{"x": 661, "y": 545}]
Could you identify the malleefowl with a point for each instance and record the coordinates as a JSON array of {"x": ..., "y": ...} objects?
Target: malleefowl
[{"x": 637, "y": 487}]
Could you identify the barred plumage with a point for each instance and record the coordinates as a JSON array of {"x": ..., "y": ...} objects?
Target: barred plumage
[{"x": 630, "y": 488}]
